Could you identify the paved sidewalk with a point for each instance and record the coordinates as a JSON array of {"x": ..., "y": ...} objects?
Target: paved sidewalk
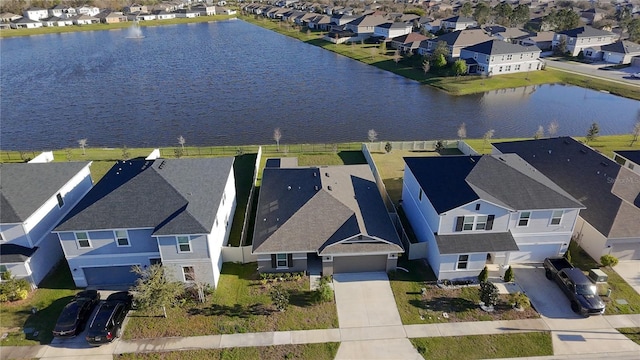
[{"x": 618, "y": 76}]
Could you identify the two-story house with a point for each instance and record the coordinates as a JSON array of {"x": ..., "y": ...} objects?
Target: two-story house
[
  {"x": 62, "y": 11},
  {"x": 455, "y": 42},
  {"x": 610, "y": 192},
  {"x": 628, "y": 158},
  {"x": 456, "y": 23},
  {"x": 35, "y": 13},
  {"x": 495, "y": 57},
  {"x": 34, "y": 197},
  {"x": 176, "y": 212},
  {"x": 390, "y": 30},
  {"x": 364, "y": 26},
  {"x": 578, "y": 39},
  {"x": 474, "y": 210}
]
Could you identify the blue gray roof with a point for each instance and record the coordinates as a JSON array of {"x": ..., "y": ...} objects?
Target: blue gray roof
[
  {"x": 12, "y": 253},
  {"x": 25, "y": 187},
  {"x": 177, "y": 196},
  {"x": 505, "y": 180},
  {"x": 498, "y": 47},
  {"x": 585, "y": 31},
  {"x": 622, "y": 47}
]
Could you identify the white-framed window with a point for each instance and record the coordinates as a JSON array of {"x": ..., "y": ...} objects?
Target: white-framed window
[
  {"x": 3, "y": 269},
  {"x": 463, "y": 261},
  {"x": 60, "y": 200},
  {"x": 556, "y": 217},
  {"x": 184, "y": 244},
  {"x": 468, "y": 223},
  {"x": 122, "y": 238},
  {"x": 524, "y": 218},
  {"x": 630, "y": 166},
  {"x": 188, "y": 273},
  {"x": 282, "y": 261},
  {"x": 224, "y": 197},
  {"x": 481, "y": 222},
  {"x": 82, "y": 239}
]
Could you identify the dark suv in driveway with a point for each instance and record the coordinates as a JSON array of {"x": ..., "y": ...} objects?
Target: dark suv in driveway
[
  {"x": 106, "y": 324},
  {"x": 75, "y": 314}
]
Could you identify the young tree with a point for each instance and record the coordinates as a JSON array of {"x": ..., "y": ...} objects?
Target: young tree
[
  {"x": 460, "y": 67},
  {"x": 387, "y": 147},
  {"x": 487, "y": 137},
  {"x": 441, "y": 49},
  {"x": 125, "y": 153},
  {"x": 277, "y": 135},
  {"x": 397, "y": 57},
  {"x": 462, "y": 131},
  {"x": 539, "y": 133},
  {"x": 488, "y": 294},
  {"x": 181, "y": 141},
  {"x": 552, "y": 129},
  {"x": 83, "y": 144},
  {"x": 383, "y": 48},
  {"x": 280, "y": 297},
  {"x": 593, "y": 132},
  {"x": 439, "y": 61},
  {"x": 426, "y": 65},
  {"x": 508, "y": 275},
  {"x": 481, "y": 13},
  {"x": 561, "y": 47},
  {"x": 153, "y": 290},
  {"x": 635, "y": 132},
  {"x": 372, "y": 135},
  {"x": 484, "y": 275}
]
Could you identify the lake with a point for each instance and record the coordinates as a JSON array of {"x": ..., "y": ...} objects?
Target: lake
[{"x": 232, "y": 83}]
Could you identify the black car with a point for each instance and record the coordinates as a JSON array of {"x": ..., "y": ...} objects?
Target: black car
[
  {"x": 106, "y": 324},
  {"x": 74, "y": 316}
]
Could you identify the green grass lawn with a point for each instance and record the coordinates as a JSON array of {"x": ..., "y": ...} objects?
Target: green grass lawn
[
  {"x": 243, "y": 168},
  {"x": 485, "y": 346},
  {"x": 325, "y": 351},
  {"x": 631, "y": 333},
  {"x": 241, "y": 304},
  {"x": 54, "y": 293}
]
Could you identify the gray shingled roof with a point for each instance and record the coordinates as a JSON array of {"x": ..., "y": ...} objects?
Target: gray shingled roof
[
  {"x": 25, "y": 187},
  {"x": 12, "y": 253},
  {"x": 178, "y": 196},
  {"x": 585, "y": 31},
  {"x": 632, "y": 155},
  {"x": 622, "y": 47},
  {"x": 498, "y": 47},
  {"x": 505, "y": 180},
  {"x": 476, "y": 243},
  {"x": 460, "y": 19},
  {"x": 316, "y": 209},
  {"x": 610, "y": 192},
  {"x": 463, "y": 37}
]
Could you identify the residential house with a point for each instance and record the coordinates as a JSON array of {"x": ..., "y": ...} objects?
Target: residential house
[
  {"x": 592, "y": 15},
  {"x": 176, "y": 212},
  {"x": 135, "y": 8},
  {"x": 62, "y": 11},
  {"x": 25, "y": 23},
  {"x": 508, "y": 34},
  {"x": 8, "y": 17},
  {"x": 431, "y": 25},
  {"x": 138, "y": 16},
  {"x": 320, "y": 22},
  {"x": 88, "y": 10},
  {"x": 610, "y": 192},
  {"x": 543, "y": 40},
  {"x": 34, "y": 198},
  {"x": 111, "y": 17},
  {"x": 474, "y": 210},
  {"x": 392, "y": 29},
  {"x": 219, "y": 10},
  {"x": 456, "y": 23},
  {"x": 187, "y": 13},
  {"x": 56, "y": 21},
  {"x": 163, "y": 15},
  {"x": 342, "y": 19},
  {"x": 580, "y": 38},
  {"x": 84, "y": 20},
  {"x": 35, "y": 13},
  {"x": 406, "y": 43},
  {"x": 620, "y": 52},
  {"x": 628, "y": 158},
  {"x": 205, "y": 10},
  {"x": 364, "y": 26},
  {"x": 495, "y": 57},
  {"x": 455, "y": 42},
  {"x": 330, "y": 218}
]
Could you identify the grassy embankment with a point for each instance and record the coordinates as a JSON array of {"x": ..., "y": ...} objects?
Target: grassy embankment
[
  {"x": 370, "y": 54},
  {"x": 6, "y": 33}
]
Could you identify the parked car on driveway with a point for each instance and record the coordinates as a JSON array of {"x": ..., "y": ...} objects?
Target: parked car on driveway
[
  {"x": 636, "y": 75},
  {"x": 75, "y": 314},
  {"x": 106, "y": 324},
  {"x": 576, "y": 286}
]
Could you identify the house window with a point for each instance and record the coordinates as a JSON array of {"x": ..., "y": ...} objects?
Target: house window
[
  {"x": 481, "y": 223},
  {"x": 82, "y": 238},
  {"x": 500, "y": 69},
  {"x": 630, "y": 166},
  {"x": 487, "y": 58},
  {"x": 2, "y": 237},
  {"x": 556, "y": 217},
  {"x": 3, "y": 269},
  {"x": 122, "y": 238},
  {"x": 509, "y": 57},
  {"x": 224, "y": 196},
  {"x": 524, "y": 218},
  {"x": 468, "y": 223},
  {"x": 477, "y": 207},
  {"x": 184, "y": 244},
  {"x": 60, "y": 200},
  {"x": 517, "y": 67},
  {"x": 189, "y": 273},
  {"x": 463, "y": 261},
  {"x": 282, "y": 261}
]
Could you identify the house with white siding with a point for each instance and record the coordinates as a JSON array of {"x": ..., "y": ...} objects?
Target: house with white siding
[
  {"x": 578, "y": 39},
  {"x": 475, "y": 210},
  {"x": 34, "y": 197},
  {"x": 455, "y": 41},
  {"x": 35, "y": 13},
  {"x": 175, "y": 212},
  {"x": 495, "y": 57},
  {"x": 456, "y": 23},
  {"x": 392, "y": 29}
]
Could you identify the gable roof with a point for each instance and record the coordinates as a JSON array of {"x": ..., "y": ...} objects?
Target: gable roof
[
  {"x": 611, "y": 193},
  {"x": 585, "y": 31},
  {"x": 476, "y": 243},
  {"x": 178, "y": 196},
  {"x": 499, "y": 47},
  {"x": 12, "y": 253},
  {"x": 463, "y": 37},
  {"x": 622, "y": 47},
  {"x": 460, "y": 19},
  {"x": 25, "y": 187},
  {"x": 409, "y": 38},
  {"x": 368, "y": 20},
  {"x": 631, "y": 155},
  {"x": 504, "y": 180},
  {"x": 316, "y": 209}
]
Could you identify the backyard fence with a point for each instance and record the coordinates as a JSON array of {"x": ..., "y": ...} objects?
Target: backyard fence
[{"x": 250, "y": 202}]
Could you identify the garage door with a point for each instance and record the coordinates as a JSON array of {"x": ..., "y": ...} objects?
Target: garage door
[
  {"x": 626, "y": 251},
  {"x": 534, "y": 253},
  {"x": 112, "y": 275},
  {"x": 351, "y": 264}
]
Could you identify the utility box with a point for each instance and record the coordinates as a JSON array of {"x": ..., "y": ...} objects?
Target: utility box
[{"x": 598, "y": 276}]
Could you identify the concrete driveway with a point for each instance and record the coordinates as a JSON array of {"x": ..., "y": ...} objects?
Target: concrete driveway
[
  {"x": 595, "y": 70},
  {"x": 545, "y": 295},
  {"x": 629, "y": 270}
]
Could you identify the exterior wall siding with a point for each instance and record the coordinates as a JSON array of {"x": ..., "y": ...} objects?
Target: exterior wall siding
[
  {"x": 590, "y": 239},
  {"x": 500, "y": 223},
  {"x": 448, "y": 263},
  {"x": 299, "y": 264},
  {"x": 42, "y": 261},
  {"x": 103, "y": 242},
  {"x": 15, "y": 234}
]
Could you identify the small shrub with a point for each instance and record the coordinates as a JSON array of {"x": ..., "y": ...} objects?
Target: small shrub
[
  {"x": 520, "y": 300},
  {"x": 508, "y": 275},
  {"x": 22, "y": 294},
  {"x": 608, "y": 260},
  {"x": 484, "y": 275},
  {"x": 488, "y": 293},
  {"x": 387, "y": 147},
  {"x": 4, "y": 298},
  {"x": 323, "y": 293},
  {"x": 280, "y": 298},
  {"x": 567, "y": 256}
]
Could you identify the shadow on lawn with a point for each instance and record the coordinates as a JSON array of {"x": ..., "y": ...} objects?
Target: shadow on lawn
[
  {"x": 444, "y": 304},
  {"x": 301, "y": 298},
  {"x": 236, "y": 310}
]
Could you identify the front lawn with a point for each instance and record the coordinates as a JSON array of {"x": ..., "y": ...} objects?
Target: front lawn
[
  {"x": 429, "y": 306},
  {"x": 631, "y": 333},
  {"x": 54, "y": 293},
  {"x": 241, "y": 304},
  {"x": 485, "y": 346},
  {"x": 323, "y": 351}
]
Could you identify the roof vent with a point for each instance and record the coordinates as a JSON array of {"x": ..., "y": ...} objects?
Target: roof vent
[
  {"x": 316, "y": 188},
  {"x": 327, "y": 174},
  {"x": 604, "y": 163},
  {"x": 502, "y": 159},
  {"x": 583, "y": 151},
  {"x": 566, "y": 142},
  {"x": 289, "y": 187},
  {"x": 472, "y": 160},
  {"x": 315, "y": 174},
  {"x": 549, "y": 151},
  {"x": 329, "y": 187},
  {"x": 162, "y": 164}
]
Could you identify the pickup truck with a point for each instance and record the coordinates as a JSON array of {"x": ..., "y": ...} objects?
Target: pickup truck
[{"x": 576, "y": 285}]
